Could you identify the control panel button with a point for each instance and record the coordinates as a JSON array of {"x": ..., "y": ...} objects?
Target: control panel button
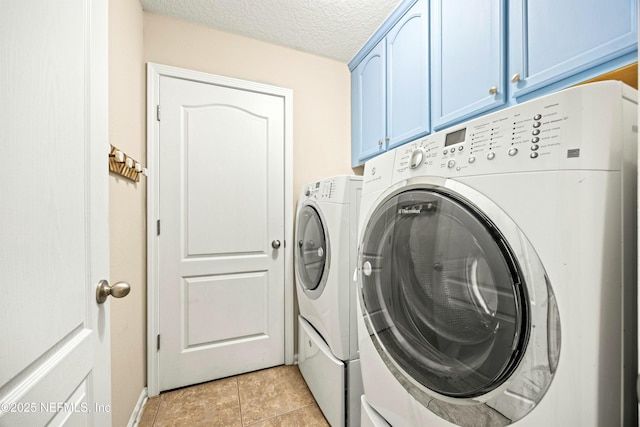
[
  {"x": 535, "y": 132},
  {"x": 534, "y": 147},
  {"x": 534, "y": 155},
  {"x": 307, "y": 191},
  {"x": 461, "y": 148},
  {"x": 491, "y": 156},
  {"x": 535, "y": 139},
  {"x": 536, "y": 124},
  {"x": 513, "y": 151},
  {"x": 445, "y": 151},
  {"x": 472, "y": 159},
  {"x": 451, "y": 163},
  {"x": 453, "y": 150},
  {"x": 537, "y": 117}
]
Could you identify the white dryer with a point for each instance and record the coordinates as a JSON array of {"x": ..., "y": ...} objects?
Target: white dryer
[
  {"x": 497, "y": 268},
  {"x": 325, "y": 260}
]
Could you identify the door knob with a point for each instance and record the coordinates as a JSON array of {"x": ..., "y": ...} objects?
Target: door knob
[
  {"x": 275, "y": 244},
  {"x": 118, "y": 290}
]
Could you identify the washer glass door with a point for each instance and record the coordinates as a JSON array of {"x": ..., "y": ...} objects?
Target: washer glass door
[
  {"x": 442, "y": 293},
  {"x": 311, "y": 259}
]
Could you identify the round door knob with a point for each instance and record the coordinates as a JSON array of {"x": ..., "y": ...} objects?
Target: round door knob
[
  {"x": 493, "y": 90},
  {"x": 515, "y": 77},
  {"x": 118, "y": 290},
  {"x": 275, "y": 244}
]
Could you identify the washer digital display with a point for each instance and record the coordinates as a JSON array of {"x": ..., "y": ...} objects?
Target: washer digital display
[{"x": 455, "y": 137}]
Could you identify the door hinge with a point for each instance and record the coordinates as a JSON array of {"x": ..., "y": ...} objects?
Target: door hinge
[
  {"x": 158, "y": 227},
  {"x": 158, "y": 342},
  {"x": 158, "y": 112}
]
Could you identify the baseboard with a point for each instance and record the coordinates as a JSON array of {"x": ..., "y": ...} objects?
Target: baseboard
[{"x": 137, "y": 411}]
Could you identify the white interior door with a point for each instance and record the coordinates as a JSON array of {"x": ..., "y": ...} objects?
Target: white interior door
[
  {"x": 54, "y": 338},
  {"x": 222, "y": 215}
]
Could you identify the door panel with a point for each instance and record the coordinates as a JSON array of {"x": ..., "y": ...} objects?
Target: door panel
[
  {"x": 369, "y": 104},
  {"x": 54, "y": 238},
  {"x": 596, "y": 32},
  {"x": 221, "y": 206},
  {"x": 407, "y": 88},
  {"x": 204, "y": 191},
  {"x": 469, "y": 59},
  {"x": 207, "y": 299}
]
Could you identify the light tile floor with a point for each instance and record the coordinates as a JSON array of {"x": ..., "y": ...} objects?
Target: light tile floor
[{"x": 268, "y": 398}]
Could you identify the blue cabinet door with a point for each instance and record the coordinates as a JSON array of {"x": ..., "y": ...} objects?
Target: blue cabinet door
[
  {"x": 551, "y": 40},
  {"x": 469, "y": 59},
  {"x": 408, "y": 76},
  {"x": 368, "y": 106}
]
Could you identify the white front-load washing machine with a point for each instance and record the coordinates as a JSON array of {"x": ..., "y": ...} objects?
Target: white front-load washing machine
[
  {"x": 497, "y": 268},
  {"x": 325, "y": 259}
]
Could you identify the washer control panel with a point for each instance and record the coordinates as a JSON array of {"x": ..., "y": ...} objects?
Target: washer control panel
[{"x": 571, "y": 129}]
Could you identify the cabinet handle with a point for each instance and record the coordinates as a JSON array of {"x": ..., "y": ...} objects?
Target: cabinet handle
[
  {"x": 379, "y": 142},
  {"x": 493, "y": 90},
  {"x": 515, "y": 77},
  {"x": 386, "y": 139}
]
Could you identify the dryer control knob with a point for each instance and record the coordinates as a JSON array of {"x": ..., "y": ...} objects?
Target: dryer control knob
[
  {"x": 307, "y": 191},
  {"x": 416, "y": 158}
]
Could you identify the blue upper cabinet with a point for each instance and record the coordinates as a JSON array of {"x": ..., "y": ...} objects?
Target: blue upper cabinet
[
  {"x": 368, "y": 108},
  {"x": 448, "y": 61},
  {"x": 390, "y": 84},
  {"x": 408, "y": 77},
  {"x": 556, "y": 43},
  {"x": 468, "y": 67}
]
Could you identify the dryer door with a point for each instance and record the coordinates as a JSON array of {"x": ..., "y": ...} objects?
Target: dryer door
[
  {"x": 446, "y": 301},
  {"x": 312, "y": 252}
]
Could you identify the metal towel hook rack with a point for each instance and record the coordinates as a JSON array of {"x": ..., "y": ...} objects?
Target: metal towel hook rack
[{"x": 125, "y": 165}]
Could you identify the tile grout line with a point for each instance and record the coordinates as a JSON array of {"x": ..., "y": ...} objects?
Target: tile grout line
[
  {"x": 282, "y": 414},
  {"x": 155, "y": 415},
  {"x": 239, "y": 401}
]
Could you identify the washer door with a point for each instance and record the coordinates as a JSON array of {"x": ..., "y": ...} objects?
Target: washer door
[
  {"x": 312, "y": 253},
  {"x": 447, "y": 303}
]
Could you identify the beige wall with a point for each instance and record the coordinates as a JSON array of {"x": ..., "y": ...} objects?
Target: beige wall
[
  {"x": 321, "y": 87},
  {"x": 127, "y": 206}
]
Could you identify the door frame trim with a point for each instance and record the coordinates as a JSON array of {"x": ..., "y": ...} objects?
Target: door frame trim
[{"x": 154, "y": 73}]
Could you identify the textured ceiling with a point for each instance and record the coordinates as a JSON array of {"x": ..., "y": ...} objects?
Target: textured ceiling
[{"x": 336, "y": 29}]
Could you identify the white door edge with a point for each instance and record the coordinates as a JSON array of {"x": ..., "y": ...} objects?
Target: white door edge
[{"x": 154, "y": 73}]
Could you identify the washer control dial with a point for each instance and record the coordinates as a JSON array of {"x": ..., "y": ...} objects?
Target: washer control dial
[{"x": 416, "y": 158}]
